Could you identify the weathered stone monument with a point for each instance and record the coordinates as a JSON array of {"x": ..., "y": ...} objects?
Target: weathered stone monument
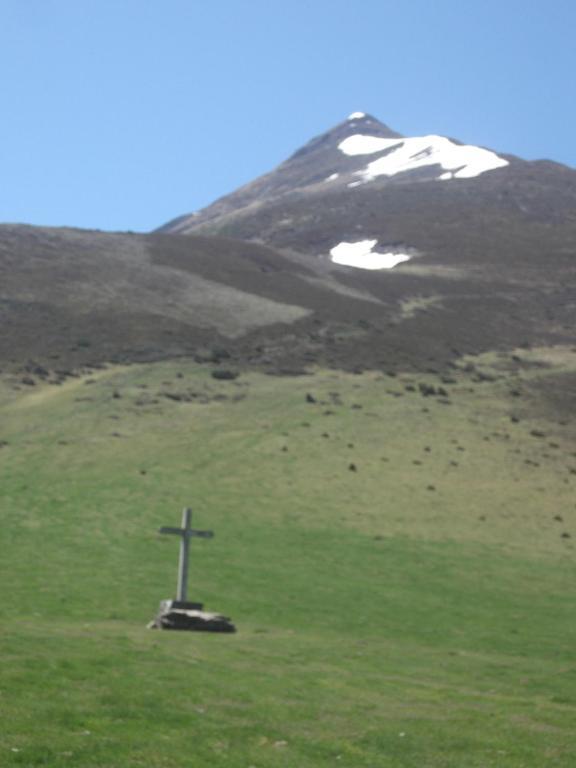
[{"x": 181, "y": 613}]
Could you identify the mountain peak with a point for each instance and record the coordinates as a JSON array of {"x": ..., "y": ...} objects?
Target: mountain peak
[
  {"x": 356, "y": 123},
  {"x": 362, "y": 121},
  {"x": 354, "y": 153}
]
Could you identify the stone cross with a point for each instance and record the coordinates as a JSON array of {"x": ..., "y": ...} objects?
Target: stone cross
[{"x": 185, "y": 533}]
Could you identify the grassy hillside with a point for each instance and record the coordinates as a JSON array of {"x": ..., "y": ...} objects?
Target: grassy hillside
[{"x": 400, "y": 568}]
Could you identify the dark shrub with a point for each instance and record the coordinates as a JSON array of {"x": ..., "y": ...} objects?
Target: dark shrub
[{"x": 224, "y": 374}]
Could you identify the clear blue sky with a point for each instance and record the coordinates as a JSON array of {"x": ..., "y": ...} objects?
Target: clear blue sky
[{"x": 121, "y": 114}]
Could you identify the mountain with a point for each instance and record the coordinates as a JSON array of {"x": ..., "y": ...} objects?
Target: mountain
[
  {"x": 482, "y": 243},
  {"x": 364, "y": 249},
  {"x": 362, "y": 180}
]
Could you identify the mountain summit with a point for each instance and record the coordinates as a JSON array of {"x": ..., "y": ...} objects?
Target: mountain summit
[
  {"x": 316, "y": 161},
  {"x": 356, "y": 152}
]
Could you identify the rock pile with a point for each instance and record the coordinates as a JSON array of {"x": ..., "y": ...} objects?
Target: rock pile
[{"x": 191, "y": 617}]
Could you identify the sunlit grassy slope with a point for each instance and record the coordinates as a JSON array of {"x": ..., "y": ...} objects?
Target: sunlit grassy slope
[{"x": 400, "y": 569}]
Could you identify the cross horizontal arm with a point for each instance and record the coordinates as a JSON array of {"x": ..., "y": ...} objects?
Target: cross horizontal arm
[
  {"x": 167, "y": 529},
  {"x": 189, "y": 532}
]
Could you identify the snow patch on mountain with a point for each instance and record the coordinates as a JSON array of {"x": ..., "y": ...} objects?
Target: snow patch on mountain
[
  {"x": 359, "y": 144},
  {"x": 356, "y": 116},
  {"x": 362, "y": 255},
  {"x": 458, "y": 161}
]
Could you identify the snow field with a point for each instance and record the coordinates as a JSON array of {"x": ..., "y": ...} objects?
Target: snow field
[
  {"x": 362, "y": 256},
  {"x": 457, "y": 161}
]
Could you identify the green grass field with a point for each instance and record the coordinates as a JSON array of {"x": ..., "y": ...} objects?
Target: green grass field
[{"x": 414, "y": 610}]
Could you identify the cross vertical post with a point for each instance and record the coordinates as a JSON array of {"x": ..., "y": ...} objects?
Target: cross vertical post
[{"x": 182, "y": 586}]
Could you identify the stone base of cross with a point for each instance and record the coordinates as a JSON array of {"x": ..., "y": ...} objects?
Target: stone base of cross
[{"x": 193, "y": 620}]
